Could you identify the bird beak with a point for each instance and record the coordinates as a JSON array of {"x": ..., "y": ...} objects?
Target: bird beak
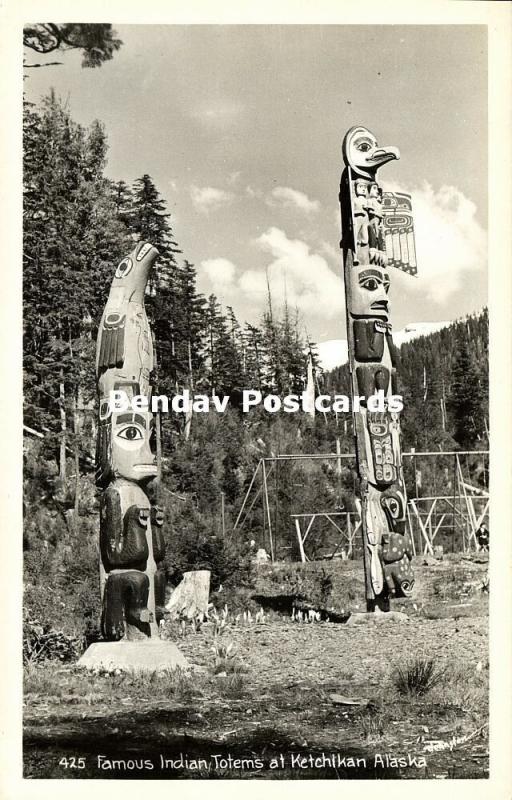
[{"x": 384, "y": 154}]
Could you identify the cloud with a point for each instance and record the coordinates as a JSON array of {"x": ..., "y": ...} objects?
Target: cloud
[
  {"x": 332, "y": 252},
  {"x": 207, "y": 198},
  {"x": 295, "y": 274},
  {"x": 221, "y": 273},
  {"x": 450, "y": 242},
  {"x": 292, "y": 198}
]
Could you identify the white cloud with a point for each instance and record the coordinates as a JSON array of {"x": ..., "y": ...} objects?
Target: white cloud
[
  {"x": 450, "y": 242},
  {"x": 332, "y": 252},
  {"x": 296, "y": 274},
  {"x": 207, "y": 198},
  {"x": 292, "y": 198},
  {"x": 221, "y": 273}
]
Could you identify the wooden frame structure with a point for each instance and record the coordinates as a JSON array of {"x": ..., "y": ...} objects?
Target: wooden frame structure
[{"x": 460, "y": 512}]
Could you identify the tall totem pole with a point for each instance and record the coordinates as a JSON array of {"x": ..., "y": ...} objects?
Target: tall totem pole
[
  {"x": 131, "y": 539},
  {"x": 376, "y": 233}
]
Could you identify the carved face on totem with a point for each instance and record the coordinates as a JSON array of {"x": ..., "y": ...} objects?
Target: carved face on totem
[
  {"x": 394, "y": 505},
  {"x": 124, "y": 447},
  {"x": 362, "y": 153},
  {"x": 369, "y": 287}
]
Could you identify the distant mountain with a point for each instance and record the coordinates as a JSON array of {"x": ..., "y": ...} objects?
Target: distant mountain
[{"x": 334, "y": 352}]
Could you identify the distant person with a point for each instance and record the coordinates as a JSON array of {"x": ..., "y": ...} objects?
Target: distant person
[{"x": 482, "y": 537}]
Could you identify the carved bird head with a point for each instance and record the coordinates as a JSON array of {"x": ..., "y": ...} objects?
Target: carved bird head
[
  {"x": 132, "y": 274},
  {"x": 362, "y": 153}
]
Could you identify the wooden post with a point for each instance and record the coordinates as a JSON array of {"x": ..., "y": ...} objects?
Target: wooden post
[
  {"x": 267, "y": 507},
  {"x": 349, "y": 531},
  {"x": 63, "y": 431},
  {"x": 247, "y": 494},
  {"x": 158, "y": 432},
  {"x": 299, "y": 539},
  {"x": 411, "y": 530}
]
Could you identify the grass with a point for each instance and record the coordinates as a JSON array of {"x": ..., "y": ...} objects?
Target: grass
[
  {"x": 75, "y": 685},
  {"x": 418, "y": 676},
  {"x": 373, "y": 726},
  {"x": 463, "y": 687}
]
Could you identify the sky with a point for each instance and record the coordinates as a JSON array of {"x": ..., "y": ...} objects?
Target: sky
[{"x": 241, "y": 127}]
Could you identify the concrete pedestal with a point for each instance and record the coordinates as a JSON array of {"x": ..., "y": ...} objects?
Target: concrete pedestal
[
  {"x": 377, "y": 617},
  {"x": 151, "y": 655}
]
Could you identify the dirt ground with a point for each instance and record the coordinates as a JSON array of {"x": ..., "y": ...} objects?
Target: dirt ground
[{"x": 299, "y": 701}]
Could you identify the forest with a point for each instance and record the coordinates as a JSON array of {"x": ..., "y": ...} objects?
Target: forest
[{"x": 78, "y": 225}]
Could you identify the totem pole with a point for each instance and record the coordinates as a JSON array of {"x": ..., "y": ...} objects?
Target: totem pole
[
  {"x": 132, "y": 546},
  {"x": 376, "y": 232}
]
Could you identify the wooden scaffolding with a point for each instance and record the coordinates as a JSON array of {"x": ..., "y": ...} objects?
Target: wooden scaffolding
[{"x": 459, "y": 509}]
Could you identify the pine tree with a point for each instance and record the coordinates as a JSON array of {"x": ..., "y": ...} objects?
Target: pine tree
[
  {"x": 466, "y": 397},
  {"x": 72, "y": 241},
  {"x": 148, "y": 220}
]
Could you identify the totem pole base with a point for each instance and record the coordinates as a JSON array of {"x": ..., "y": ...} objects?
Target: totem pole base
[{"x": 151, "y": 655}]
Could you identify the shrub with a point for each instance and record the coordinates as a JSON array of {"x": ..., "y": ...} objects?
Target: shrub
[
  {"x": 418, "y": 677},
  {"x": 40, "y": 643},
  {"x": 195, "y": 544}
]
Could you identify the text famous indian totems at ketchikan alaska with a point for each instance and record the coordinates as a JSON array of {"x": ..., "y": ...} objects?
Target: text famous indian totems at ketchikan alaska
[
  {"x": 376, "y": 233},
  {"x": 131, "y": 538}
]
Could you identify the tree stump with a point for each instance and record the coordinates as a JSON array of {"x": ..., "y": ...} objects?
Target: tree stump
[{"x": 190, "y": 597}]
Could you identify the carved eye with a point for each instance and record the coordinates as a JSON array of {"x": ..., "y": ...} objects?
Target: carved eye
[
  {"x": 124, "y": 267},
  {"x": 371, "y": 284},
  {"x": 364, "y": 145},
  {"x": 393, "y": 507},
  {"x": 131, "y": 433}
]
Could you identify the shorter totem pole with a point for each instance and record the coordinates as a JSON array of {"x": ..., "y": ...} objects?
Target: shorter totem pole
[
  {"x": 132, "y": 545},
  {"x": 376, "y": 232}
]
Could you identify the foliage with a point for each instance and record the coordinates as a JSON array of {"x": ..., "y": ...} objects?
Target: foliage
[
  {"x": 194, "y": 544},
  {"x": 40, "y": 643},
  {"x": 418, "y": 677},
  {"x": 97, "y": 42}
]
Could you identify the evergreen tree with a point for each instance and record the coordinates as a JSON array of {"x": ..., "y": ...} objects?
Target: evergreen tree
[
  {"x": 148, "y": 220},
  {"x": 466, "y": 397},
  {"x": 72, "y": 239}
]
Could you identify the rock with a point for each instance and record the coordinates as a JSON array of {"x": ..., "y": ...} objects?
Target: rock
[{"x": 341, "y": 700}]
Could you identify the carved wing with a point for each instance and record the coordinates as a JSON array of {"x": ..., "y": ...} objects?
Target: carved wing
[
  {"x": 399, "y": 231},
  {"x": 112, "y": 341}
]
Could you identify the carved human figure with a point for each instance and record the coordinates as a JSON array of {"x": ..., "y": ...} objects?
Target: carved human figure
[
  {"x": 375, "y": 230},
  {"x": 361, "y": 220}
]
